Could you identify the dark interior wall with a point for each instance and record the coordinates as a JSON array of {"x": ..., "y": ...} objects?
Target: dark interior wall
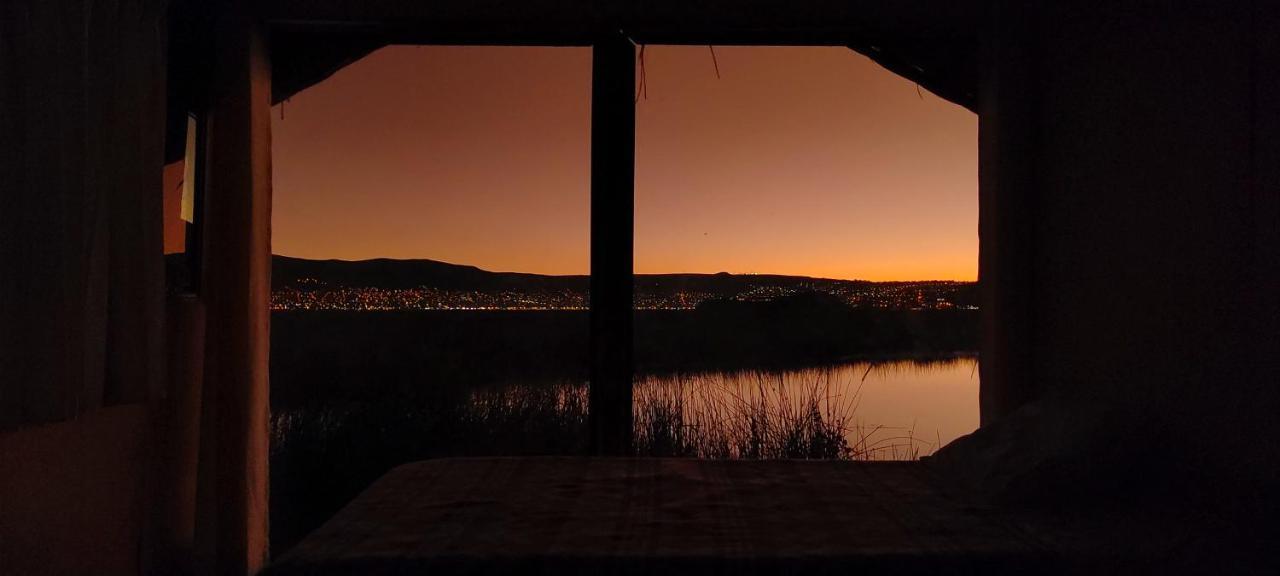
[
  {"x": 53, "y": 299},
  {"x": 71, "y": 495},
  {"x": 81, "y": 296},
  {"x": 1149, "y": 262},
  {"x": 1265, "y": 199},
  {"x": 81, "y": 279}
]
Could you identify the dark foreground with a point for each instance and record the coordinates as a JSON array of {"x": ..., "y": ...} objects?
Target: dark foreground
[
  {"x": 569, "y": 516},
  {"x": 671, "y": 516}
]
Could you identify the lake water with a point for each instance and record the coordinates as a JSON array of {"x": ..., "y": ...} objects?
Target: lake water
[{"x": 892, "y": 409}]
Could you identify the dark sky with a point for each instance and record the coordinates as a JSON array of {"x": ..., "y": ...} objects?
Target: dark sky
[{"x": 811, "y": 161}]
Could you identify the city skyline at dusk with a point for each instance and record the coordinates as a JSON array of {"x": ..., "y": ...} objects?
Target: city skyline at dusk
[{"x": 799, "y": 161}]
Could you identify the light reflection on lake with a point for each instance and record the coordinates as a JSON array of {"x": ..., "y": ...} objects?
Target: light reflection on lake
[{"x": 887, "y": 410}]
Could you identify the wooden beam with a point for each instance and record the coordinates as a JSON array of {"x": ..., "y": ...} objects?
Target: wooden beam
[
  {"x": 928, "y": 42},
  {"x": 613, "y": 116},
  {"x": 1007, "y": 188},
  {"x": 574, "y": 22},
  {"x": 231, "y": 529}
]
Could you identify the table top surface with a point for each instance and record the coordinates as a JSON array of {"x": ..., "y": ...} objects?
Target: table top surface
[{"x": 642, "y": 515}]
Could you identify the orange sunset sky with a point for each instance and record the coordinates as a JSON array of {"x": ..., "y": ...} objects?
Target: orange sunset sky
[{"x": 807, "y": 161}]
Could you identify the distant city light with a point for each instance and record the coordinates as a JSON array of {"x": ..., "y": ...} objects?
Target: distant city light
[{"x": 311, "y": 294}]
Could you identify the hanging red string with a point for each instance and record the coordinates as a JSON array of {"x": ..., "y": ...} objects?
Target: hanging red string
[{"x": 643, "y": 88}]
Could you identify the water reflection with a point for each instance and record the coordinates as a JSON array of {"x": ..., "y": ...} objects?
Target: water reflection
[
  {"x": 896, "y": 409},
  {"x": 884, "y": 410}
]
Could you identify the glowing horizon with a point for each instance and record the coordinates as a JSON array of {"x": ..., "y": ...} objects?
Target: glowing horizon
[
  {"x": 639, "y": 272},
  {"x": 795, "y": 161}
]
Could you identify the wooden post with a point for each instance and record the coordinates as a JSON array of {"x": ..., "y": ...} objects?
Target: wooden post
[
  {"x": 1007, "y": 186},
  {"x": 231, "y": 529},
  {"x": 613, "y": 116}
]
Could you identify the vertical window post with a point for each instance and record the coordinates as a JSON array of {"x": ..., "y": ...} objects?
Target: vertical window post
[{"x": 613, "y": 116}]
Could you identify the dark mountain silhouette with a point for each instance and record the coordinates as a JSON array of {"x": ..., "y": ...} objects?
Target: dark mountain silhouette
[{"x": 392, "y": 274}]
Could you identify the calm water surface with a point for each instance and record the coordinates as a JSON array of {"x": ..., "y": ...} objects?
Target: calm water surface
[{"x": 888, "y": 407}]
